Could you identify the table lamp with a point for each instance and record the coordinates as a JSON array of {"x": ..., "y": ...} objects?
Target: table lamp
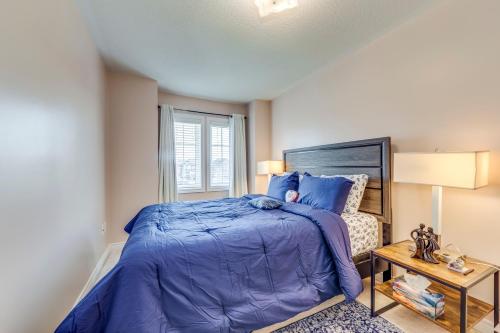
[
  {"x": 467, "y": 170},
  {"x": 269, "y": 168}
]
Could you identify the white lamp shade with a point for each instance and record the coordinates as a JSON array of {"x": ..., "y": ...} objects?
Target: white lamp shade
[
  {"x": 269, "y": 167},
  {"x": 464, "y": 170}
]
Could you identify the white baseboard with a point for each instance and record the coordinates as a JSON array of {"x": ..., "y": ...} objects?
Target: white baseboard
[{"x": 97, "y": 270}]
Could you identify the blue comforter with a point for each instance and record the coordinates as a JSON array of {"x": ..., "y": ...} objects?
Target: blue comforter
[{"x": 219, "y": 266}]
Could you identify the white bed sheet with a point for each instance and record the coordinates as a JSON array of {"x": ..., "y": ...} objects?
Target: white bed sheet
[{"x": 363, "y": 232}]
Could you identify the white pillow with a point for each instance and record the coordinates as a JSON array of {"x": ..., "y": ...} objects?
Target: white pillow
[
  {"x": 291, "y": 196},
  {"x": 356, "y": 194}
]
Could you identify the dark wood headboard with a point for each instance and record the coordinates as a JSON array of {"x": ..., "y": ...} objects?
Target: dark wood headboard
[{"x": 371, "y": 157}]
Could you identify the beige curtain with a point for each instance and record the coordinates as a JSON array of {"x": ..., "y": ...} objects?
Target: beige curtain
[
  {"x": 167, "y": 189},
  {"x": 238, "y": 185}
]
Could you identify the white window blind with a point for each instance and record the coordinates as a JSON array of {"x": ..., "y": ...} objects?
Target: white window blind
[
  {"x": 219, "y": 156},
  {"x": 188, "y": 154},
  {"x": 202, "y": 156}
]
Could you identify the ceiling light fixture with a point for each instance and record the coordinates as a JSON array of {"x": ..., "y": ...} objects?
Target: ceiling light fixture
[{"x": 267, "y": 7}]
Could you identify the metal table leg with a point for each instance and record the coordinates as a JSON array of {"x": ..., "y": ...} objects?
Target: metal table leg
[
  {"x": 496, "y": 316},
  {"x": 463, "y": 310},
  {"x": 387, "y": 274},
  {"x": 372, "y": 284}
]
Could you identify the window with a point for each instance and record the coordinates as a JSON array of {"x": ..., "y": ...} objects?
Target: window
[
  {"x": 218, "y": 156},
  {"x": 201, "y": 153},
  {"x": 188, "y": 154}
]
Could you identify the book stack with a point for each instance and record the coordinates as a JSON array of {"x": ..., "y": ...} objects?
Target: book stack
[{"x": 429, "y": 303}]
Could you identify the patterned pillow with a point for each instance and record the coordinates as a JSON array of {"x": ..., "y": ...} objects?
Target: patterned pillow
[
  {"x": 291, "y": 196},
  {"x": 357, "y": 191},
  {"x": 265, "y": 203}
]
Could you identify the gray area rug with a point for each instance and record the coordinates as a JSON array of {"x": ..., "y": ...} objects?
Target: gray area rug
[{"x": 342, "y": 317}]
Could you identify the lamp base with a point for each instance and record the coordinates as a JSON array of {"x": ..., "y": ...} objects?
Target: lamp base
[{"x": 437, "y": 208}]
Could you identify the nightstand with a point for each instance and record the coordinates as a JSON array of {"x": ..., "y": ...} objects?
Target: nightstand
[{"x": 462, "y": 312}]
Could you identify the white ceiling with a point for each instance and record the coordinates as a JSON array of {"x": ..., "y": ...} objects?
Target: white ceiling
[{"x": 223, "y": 50}]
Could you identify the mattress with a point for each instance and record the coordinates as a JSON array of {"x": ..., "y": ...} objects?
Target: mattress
[{"x": 363, "y": 232}]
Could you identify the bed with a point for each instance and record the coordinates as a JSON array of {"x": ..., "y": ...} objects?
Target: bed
[
  {"x": 224, "y": 266},
  {"x": 371, "y": 157}
]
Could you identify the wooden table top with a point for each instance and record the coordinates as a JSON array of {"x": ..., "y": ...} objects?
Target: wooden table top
[{"x": 400, "y": 255}]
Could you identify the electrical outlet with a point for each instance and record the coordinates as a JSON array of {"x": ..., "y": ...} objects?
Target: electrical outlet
[{"x": 103, "y": 227}]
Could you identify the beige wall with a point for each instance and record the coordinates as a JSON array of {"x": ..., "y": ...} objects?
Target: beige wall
[
  {"x": 132, "y": 145},
  {"x": 52, "y": 196},
  {"x": 198, "y": 104},
  {"x": 432, "y": 83},
  {"x": 259, "y": 143},
  {"x": 131, "y": 149}
]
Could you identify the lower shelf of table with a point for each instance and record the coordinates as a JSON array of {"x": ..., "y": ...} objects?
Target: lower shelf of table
[{"x": 450, "y": 320}]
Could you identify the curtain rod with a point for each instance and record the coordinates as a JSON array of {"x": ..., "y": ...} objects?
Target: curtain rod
[{"x": 201, "y": 112}]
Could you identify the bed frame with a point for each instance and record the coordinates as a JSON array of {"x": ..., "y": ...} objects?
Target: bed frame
[{"x": 371, "y": 157}]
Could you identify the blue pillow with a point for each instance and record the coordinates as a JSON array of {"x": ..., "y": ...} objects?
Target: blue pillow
[
  {"x": 279, "y": 185},
  {"x": 327, "y": 193},
  {"x": 265, "y": 203}
]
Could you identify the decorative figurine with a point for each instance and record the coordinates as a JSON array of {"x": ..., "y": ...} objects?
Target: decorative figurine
[
  {"x": 426, "y": 243},
  {"x": 431, "y": 246},
  {"x": 418, "y": 235}
]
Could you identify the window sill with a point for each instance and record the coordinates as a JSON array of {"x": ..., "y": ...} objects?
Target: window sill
[
  {"x": 222, "y": 189},
  {"x": 187, "y": 191},
  {"x": 218, "y": 189}
]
